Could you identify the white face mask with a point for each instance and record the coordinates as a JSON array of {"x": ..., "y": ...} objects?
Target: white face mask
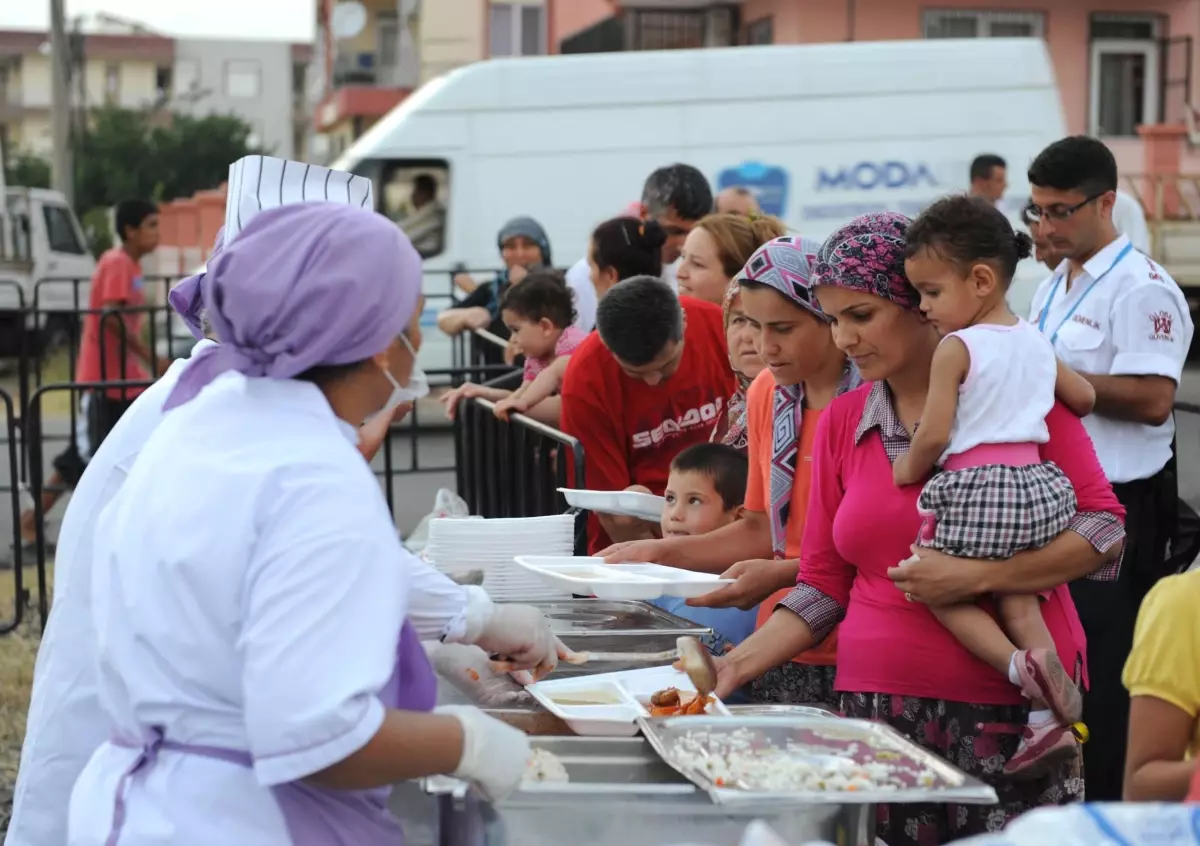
[{"x": 417, "y": 387}]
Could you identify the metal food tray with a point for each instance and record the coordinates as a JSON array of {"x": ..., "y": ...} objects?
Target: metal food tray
[
  {"x": 595, "y": 767},
  {"x": 776, "y": 710},
  {"x": 858, "y": 740},
  {"x": 608, "y": 617}
]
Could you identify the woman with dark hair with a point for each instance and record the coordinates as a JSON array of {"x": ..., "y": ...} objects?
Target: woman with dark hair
[
  {"x": 896, "y": 663},
  {"x": 622, "y": 248}
]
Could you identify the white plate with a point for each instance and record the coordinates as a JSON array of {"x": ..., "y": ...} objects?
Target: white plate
[
  {"x": 632, "y": 689},
  {"x": 592, "y": 576},
  {"x": 615, "y": 720},
  {"x": 625, "y": 503}
]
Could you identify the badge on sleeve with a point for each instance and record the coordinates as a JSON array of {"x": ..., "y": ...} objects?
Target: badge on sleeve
[{"x": 1162, "y": 323}]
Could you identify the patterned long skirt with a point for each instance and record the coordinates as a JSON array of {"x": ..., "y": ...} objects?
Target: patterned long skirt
[
  {"x": 976, "y": 739},
  {"x": 797, "y": 684}
]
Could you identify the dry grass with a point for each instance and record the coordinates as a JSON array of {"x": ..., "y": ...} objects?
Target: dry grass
[{"x": 17, "y": 652}]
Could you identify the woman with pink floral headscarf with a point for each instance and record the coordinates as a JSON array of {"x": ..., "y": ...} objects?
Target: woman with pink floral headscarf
[{"x": 895, "y": 662}]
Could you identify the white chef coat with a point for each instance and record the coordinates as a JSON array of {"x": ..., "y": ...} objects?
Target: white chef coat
[
  {"x": 579, "y": 280},
  {"x": 1120, "y": 318},
  {"x": 66, "y": 723},
  {"x": 247, "y": 595}
]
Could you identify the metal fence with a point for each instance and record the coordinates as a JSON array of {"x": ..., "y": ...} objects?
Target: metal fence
[
  {"x": 39, "y": 402},
  {"x": 514, "y": 468}
]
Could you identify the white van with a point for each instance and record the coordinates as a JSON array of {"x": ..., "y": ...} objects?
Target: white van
[
  {"x": 821, "y": 132},
  {"x": 44, "y": 260}
]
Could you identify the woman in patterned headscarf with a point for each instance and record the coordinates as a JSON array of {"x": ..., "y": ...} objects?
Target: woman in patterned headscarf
[
  {"x": 805, "y": 371},
  {"x": 896, "y": 663}
]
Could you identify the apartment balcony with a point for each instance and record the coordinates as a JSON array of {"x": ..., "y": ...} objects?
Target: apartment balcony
[
  {"x": 660, "y": 25},
  {"x": 370, "y": 70}
]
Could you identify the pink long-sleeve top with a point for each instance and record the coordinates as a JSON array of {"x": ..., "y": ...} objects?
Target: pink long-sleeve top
[{"x": 859, "y": 524}]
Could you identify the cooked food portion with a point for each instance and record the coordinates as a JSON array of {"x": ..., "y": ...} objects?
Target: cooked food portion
[
  {"x": 595, "y": 696},
  {"x": 673, "y": 702},
  {"x": 741, "y": 760},
  {"x": 545, "y": 767}
]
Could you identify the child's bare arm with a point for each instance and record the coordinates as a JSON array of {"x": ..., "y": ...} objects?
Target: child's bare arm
[
  {"x": 547, "y": 383},
  {"x": 1076, "y": 392},
  {"x": 951, "y": 361}
]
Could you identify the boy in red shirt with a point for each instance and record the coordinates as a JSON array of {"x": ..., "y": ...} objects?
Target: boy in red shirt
[
  {"x": 649, "y": 383},
  {"x": 116, "y": 284}
]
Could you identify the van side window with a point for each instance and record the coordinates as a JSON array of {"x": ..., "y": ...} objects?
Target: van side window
[
  {"x": 416, "y": 195},
  {"x": 61, "y": 232}
]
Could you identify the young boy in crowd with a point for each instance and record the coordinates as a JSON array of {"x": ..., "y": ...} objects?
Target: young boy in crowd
[
  {"x": 539, "y": 314},
  {"x": 705, "y": 491}
]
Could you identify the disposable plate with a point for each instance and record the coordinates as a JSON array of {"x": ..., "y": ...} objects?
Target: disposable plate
[
  {"x": 631, "y": 690},
  {"x": 593, "y": 577},
  {"x": 625, "y": 503}
]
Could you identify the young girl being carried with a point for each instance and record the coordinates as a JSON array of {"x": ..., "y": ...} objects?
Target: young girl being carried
[{"x": 992, "y": 382}]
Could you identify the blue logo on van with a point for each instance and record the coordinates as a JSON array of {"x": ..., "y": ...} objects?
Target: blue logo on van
[
  {"x": 868, "y": 176},
  {"x": 768, "y": 182}
]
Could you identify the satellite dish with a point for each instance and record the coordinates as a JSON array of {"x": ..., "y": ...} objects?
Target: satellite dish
[{"x": 348, "y": 19}]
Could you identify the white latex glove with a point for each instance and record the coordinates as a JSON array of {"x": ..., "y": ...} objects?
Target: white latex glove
[
  {"x": 494, "y": 754},
  {"x": 520, "y": 636},
  {"x": 470, "y": 671}
]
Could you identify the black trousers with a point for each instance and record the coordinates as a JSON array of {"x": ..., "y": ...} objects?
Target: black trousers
[{"x": 1108, "y": 611}]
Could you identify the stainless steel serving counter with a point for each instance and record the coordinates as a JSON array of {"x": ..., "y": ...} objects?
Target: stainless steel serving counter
[{"x": 620, "y": 793}]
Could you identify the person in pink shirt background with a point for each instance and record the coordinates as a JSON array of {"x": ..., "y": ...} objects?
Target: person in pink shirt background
[{"x": 896, "y": 662}]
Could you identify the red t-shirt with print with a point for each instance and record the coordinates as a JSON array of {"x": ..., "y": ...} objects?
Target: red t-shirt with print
[
  {"x": 631, "y": 431},
  {"x": 116, "y": 282}
]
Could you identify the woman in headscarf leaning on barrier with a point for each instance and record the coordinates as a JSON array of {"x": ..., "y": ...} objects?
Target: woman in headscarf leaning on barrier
[
  {"x": 250, "y": 594},
  {"x": 523, "y": 247}
]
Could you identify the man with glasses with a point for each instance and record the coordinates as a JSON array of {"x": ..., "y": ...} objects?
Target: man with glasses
[{"x": 1118, "y": 318}]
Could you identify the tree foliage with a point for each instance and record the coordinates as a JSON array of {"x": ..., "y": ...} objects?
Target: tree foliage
[
  {"x": 154, "y": 155},
  {"x": 28, "y": 171}
]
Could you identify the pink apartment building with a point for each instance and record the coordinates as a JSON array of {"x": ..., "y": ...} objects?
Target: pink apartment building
[{"x": 1126, "y": 69}]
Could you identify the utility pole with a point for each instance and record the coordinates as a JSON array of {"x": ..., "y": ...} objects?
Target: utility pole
[{"x": 60, "y": 99}]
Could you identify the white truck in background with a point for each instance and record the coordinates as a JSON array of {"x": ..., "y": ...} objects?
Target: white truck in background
[{"x": 45, "y": 268}]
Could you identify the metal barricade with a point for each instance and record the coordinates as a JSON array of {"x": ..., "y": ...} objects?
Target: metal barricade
[
  {"x": 20, "y": 592},
  {"x": 513, "y": 468}
]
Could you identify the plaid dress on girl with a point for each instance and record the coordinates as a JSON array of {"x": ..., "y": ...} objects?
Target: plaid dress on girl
[{"x": 992, "y": 500}]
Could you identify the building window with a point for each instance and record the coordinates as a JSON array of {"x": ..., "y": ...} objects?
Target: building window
[
  {"x": 516, "y": 29},
  {"x": 669, "y": 30},
  {"x": 1124, "y": 74},
  {"x": 761, "y": 31},
  {"x": 963, "y": 23},
  {"x": 242, "y": 79},
  {"x": 187, "y": 76},
  {"x": 387, "y": 37},
  {"x": 61, "y": 232},
  {"x": 112, "y": 83}
]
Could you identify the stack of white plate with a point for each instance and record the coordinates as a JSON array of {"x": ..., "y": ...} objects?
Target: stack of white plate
[{"x": 458, "y": 545}]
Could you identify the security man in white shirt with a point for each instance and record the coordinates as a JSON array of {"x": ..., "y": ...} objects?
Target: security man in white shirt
[{"x": 1117, "y": 317}]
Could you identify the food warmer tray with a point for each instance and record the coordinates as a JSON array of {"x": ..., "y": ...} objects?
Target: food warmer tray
[
  {"x": 816, "y": 740},
  {"x": 613, "y": 625},
  {"x": 606, "y": 617},
  {"x": 620, "y": 793},
  {"x": 777, "y": 710}
]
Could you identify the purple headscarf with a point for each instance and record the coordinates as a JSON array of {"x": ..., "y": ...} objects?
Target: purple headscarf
[
  {"x": 786, "y": 264},
  {"x": 867, "y": 254},
  {"x": 302, "y": 286},
  {"x": 186, "y": 297}
]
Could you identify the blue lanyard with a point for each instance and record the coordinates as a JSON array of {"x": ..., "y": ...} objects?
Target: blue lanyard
[{"x": 1057, "y": 279}]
